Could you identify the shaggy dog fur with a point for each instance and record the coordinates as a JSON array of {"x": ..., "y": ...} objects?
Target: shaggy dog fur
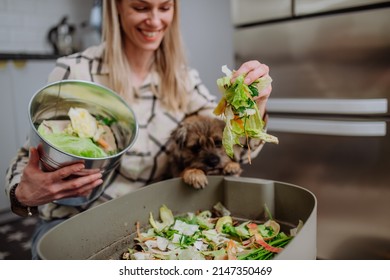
[{"x": 196, "y": 151}]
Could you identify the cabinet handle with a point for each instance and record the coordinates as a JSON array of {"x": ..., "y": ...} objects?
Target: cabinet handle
[
  {"x": 327, "y": 106},
  {"x": 326, "y": 127}
]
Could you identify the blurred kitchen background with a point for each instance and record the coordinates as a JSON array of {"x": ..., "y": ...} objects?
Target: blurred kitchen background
[
  {"x": 27, "y": 55},
  {"x": 330, "y": 62}
]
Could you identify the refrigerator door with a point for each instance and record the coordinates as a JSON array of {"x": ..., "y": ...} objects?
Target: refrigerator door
[
  {"x": 334, "y": 56},
  {"x": 307, "y": 7},
  {"x": 329, "y": 108},
  {"x": 351, "y": 180}
]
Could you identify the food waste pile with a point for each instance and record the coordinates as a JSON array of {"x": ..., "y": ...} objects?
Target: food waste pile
[{"x": 208, "y": 235}]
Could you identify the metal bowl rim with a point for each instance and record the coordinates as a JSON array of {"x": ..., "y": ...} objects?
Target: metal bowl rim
[{"x": 92, "y": 84}]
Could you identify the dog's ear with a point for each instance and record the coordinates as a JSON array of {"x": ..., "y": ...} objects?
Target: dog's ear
[{"x": 180, "y": 135}]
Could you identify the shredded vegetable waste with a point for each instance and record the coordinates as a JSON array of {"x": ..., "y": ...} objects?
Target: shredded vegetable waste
[
  {"x": 208, "y": 235},
  {"x": 240, "y": 112},
  {"x": 81, "y": 135}
]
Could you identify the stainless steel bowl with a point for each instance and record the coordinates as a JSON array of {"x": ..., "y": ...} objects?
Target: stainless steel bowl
[{"x": 54, "y": 101}]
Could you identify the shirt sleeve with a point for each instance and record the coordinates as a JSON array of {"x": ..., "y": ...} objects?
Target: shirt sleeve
[
  {"x": 15, "y": 169},
  {"x": 200, "y": 99},
  {"x": 77, "y": 66},
  {"x": 61, "y": 71}
]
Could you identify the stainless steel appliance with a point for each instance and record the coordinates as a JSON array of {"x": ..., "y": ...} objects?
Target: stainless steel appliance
[
  {"x": 61, "y": 37},
  {"x": 330, "y": 62}
]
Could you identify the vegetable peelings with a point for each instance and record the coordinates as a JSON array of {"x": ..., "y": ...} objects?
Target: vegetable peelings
[
  {"x": 240, "y": 111},
  {"x": 213, "y": 234}
]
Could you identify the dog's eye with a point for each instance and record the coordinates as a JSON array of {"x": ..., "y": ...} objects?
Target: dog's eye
[
  {"x": 218, "y": 143},
  {"x": 195, "y": 148}
]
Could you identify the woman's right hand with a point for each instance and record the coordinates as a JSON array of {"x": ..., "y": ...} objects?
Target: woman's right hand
[{"x": 38, "y": 187}]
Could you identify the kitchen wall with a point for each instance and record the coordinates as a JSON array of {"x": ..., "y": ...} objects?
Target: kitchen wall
[
  {"x": 24, "y": 23},
  {"x": 208, "y": 34}
]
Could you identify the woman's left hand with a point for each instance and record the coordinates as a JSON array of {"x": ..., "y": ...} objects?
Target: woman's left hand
[{"x": 254, "y": 70}]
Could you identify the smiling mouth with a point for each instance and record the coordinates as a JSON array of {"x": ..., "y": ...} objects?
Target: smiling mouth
[{"x": 150, "y": 34}]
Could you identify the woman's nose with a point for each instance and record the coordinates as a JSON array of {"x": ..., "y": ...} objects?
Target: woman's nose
[{"x": 153, "y": 18}]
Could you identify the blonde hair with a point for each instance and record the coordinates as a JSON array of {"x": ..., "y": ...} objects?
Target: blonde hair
[{"x": 170, "y": 61}]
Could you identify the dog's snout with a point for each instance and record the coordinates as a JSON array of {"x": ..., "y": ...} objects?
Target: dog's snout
[{"x": 212, "y": 160}]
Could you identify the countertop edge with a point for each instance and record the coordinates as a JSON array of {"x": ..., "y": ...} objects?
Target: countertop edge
[{"x": 28, "y": 56}]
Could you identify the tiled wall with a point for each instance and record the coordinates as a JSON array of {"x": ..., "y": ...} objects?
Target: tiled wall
[{"x": 24, "y": 24}]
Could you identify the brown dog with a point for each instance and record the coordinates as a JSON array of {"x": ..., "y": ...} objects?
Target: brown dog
[{"x": 196, "y": 151}]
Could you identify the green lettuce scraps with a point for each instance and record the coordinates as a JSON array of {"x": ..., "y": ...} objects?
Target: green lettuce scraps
[
  {"x": 74, "y": 145},
  {"x": 240, "y": 111}
]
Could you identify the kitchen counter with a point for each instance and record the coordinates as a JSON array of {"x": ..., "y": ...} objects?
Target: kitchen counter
[{"x": 28, "y": 56}]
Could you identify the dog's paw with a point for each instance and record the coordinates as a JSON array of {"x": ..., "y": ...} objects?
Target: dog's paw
[
  {"x": 232, "y": 168},
  {"x": 195, "y": 177}
]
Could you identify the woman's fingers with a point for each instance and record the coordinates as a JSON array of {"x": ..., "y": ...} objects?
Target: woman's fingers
[
  {"x": 38, "y": 187},
  {"x": 80, "y": 182},
  {"x": 81, "y": 186},
  {"x": 264, "y": 94},
  {"x": 66, "y": 171},
  {"x": 256, "y": 73},
  {"x": 252, "y": 70},
  {"x": 33, "y": 160}
]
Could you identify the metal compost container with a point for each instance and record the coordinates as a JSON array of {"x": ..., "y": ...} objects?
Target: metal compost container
[
  {"x": 106, "y": 231},
  {"x": 53, "y": 103}
]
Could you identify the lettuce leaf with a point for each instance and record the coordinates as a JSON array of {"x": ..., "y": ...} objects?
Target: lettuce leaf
[
  {"x": 81, "y": 136},
  {"x": 240, "y": 111},
  {"x": 74, "y": 145},
  {"x": 166, "y": 217}
]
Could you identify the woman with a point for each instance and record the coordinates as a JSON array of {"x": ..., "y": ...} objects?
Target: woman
[{"x": 142, "y": 59}]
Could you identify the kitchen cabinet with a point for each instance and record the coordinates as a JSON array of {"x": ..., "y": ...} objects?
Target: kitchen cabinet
[{"x": 19, "y": 81}]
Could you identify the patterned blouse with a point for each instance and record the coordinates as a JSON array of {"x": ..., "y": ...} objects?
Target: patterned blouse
[{"x": 145, "y": 161}]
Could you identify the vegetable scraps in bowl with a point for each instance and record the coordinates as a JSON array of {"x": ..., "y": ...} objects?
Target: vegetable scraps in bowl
[
  {"x": 240, "y": 111},
  {"x": 208, "y": 235},
  {"x": 81, "y": 135}
]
